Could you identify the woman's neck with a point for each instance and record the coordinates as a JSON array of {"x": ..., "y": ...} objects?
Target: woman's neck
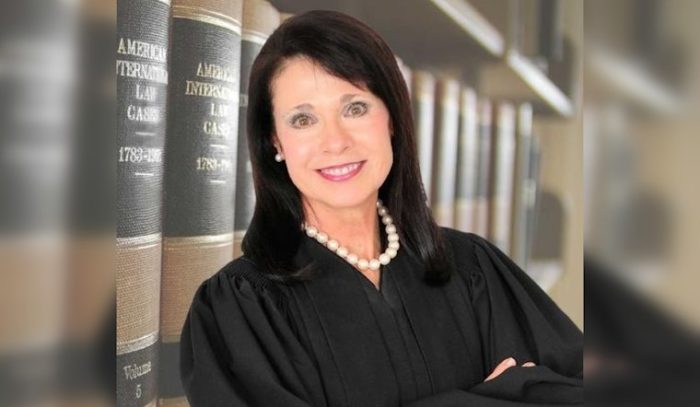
[{"x": 355, "y": 228}]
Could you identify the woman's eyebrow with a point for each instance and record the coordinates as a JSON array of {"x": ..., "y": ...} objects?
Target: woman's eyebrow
[
  {"x": 303, "y": 106},
  {"x": 347, "y": 97}
]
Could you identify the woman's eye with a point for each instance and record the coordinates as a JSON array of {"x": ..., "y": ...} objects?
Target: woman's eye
[
  {"x": 357, "y": 109},
  {"x": 301, "y": 121}
]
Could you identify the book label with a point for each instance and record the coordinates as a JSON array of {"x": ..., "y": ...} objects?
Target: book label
[
  {"x": 142, "y": 78},
  {"x": 202, "y": 128},
  {"x": 137, "y": 377}
]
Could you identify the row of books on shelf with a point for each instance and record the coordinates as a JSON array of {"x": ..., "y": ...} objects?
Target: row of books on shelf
[
  {"x": 479, "y": 160},
  {"x": 184, "y": 179}
]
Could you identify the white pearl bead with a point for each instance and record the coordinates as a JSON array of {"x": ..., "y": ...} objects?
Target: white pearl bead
[
  {"x": 352, "y": 259},
  {"x": 332, "y": 244},
  {"x": 379, "y": 203},
  {"x": 362, "y": 264},
  {"x": 393, "y": 245},
  {"x": 322, "y": 237},
  {"x": 342, "y": 252},
  {"x": 382, "y": 211},
  {"x": 311, "y": 231},
  {"x": 390, "y": 252},
  {"x": 384, "y": 259},
  {"x": 393, "y": 237},
  {"x": 374, "y": 264},
  {"x": 390, "y": 229},
  {"x": 386, "y": 219}
]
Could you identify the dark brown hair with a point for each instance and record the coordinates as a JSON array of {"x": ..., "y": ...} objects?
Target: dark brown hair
[{"x": 350, "y": 50}]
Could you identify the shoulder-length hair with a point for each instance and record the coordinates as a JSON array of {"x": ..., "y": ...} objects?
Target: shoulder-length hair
[{"x": 350, "y": 50}]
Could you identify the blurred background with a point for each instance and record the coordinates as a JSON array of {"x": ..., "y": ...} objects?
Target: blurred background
[{"x": 603, "y": 212}]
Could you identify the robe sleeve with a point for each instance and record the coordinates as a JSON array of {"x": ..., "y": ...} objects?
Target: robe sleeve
[
  {"x": 516, "y": 319},
  {"x": 238, "y": 348}
]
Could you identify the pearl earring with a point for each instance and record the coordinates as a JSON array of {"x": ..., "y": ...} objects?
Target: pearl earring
[{"x": 279, "y": 157}]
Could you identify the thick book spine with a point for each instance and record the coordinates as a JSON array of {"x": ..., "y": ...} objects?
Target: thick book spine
[
  {"x": 531, "y": 197},
  {"x": 260, "y": 19},
  {"x": 203, "y": 105},
  {"x": 483, "y": 175},
  {"x": 522, "y": 199},
  {"x": 467, "y": 154},
  {"x": 551, "y": 30},
  {"x": 423, "y": 86},
  {"x": 38, "y": 76},
  {"x": 406, "y": 72},
  {"x": 545, "y": 264},
  {"x": 142, "y": 79},
  {"x": 445, "y": 156},
  {"x": 503, "y": 168}
]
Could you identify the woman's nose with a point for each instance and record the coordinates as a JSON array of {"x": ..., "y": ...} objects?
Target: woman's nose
[{"x": 336, "y": 139}]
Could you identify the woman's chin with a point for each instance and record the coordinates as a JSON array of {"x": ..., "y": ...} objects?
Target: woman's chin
[{"x": 348, "y": 200}]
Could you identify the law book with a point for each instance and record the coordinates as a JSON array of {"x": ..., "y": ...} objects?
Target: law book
[
  {"x": 526, "y": 26},
  {"x": 200, "y": 165},
  {"x": 550, "y": 34},
  {"x": 467, "y": 164},
  {"x": 141, "y": 79},
  {"x": 260, "y": 19},
  {"x": 37, "y": 78},
  {"x": 523, "y": 194},
  {"x": 445, "y": 155},
  {"x": 483, "y": 170},
  {"x": 502, "y": 179},
  {"x": 423, "y": 85},
  {"x": 533, "y": 193},
  {"x": 406, "y": 72},
  {"x": 546, "y": 262},
  {"x": 88, "y": 314}
]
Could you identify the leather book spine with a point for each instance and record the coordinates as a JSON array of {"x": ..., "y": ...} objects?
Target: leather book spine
[
  {"x": 200, "y": 165},
  {"x": 142, "y": 82}
]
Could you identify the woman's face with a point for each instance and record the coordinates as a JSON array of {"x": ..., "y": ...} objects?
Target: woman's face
[{"x": 335, "y": 137}]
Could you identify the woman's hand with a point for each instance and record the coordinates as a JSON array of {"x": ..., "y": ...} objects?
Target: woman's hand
[{"x": 503, "y": 366}]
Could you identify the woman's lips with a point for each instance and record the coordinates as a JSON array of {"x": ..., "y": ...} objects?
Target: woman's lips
[{"x": 341, "y": 172}]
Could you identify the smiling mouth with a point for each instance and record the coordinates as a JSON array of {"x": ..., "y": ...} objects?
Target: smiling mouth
[{"x": 341, "y": 172}]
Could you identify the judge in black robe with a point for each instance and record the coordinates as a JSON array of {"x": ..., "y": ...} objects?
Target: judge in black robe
[
  {"x": 291, "y": 323},
  {"x": 338, "y": 341}
]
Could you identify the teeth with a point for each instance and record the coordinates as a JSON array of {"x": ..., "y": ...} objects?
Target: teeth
[{"x": 341, "y": 170}]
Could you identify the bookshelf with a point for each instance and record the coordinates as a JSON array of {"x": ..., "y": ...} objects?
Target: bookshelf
[
  {"x": 631, "y": 82},
  {"x": 456, "y": 38},
  {"x": 517, "y": 78},
  {"x": 474, "y": 24}
]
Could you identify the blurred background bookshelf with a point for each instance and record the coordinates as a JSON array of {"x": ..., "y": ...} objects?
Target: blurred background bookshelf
[
  {"x": 515, "y": 55},
  {"x": 640, "y": 121}
]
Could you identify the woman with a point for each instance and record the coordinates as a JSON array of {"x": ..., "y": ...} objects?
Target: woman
[{"x": 348, "y": 293}]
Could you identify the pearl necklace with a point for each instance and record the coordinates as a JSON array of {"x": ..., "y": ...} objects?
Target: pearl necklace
[{"x": 363, "y": 264}]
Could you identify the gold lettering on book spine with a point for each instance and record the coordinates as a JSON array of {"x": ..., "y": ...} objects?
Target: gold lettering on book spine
[{"x": 207, "y": 16}]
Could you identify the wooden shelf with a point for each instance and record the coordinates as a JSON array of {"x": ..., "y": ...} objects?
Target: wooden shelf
[
  {"x": 437, "y": 35},
  {"x": 627, "y": 80},
  {"x": 454, "y": 37},
  {"x": 516, "y": 78},
  {"x": 474, "y": 24}
]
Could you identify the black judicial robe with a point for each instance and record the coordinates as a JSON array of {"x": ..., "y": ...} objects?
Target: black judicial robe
[{"x": 338, "y": 341}]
